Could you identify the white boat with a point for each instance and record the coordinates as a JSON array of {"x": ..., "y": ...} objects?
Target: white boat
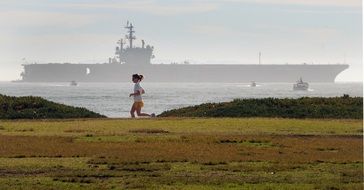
[
  {"x": 253, "y": 84},
  {"x": 300, "y": 85},
  {"x": 73, "y": 83}
]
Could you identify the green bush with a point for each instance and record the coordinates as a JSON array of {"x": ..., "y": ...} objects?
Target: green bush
[
  {"x": 30, "y": 107},
  {"x": 315, "y": 107}
]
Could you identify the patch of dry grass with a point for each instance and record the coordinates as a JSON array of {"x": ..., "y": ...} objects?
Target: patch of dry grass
[
  {"x": 200, "y": 148},
  {"x": 148, "y": 131},
  {"x": 178, "y": 125}
]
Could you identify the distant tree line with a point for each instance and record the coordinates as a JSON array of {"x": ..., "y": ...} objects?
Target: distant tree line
[
  {"x": 306, "y": 107},
  {"x": 30, "y": 107}
]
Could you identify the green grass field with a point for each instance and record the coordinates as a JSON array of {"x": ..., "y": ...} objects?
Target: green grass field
[{"x": 181, "y": 153}]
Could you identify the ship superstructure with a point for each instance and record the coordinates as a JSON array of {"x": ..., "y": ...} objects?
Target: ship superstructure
[
  {"x": 132, "y": 54},
  {"x": 130, "y": 59}
]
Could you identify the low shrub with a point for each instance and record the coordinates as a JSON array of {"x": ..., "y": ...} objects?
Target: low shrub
[
  {"x": 30, "y": 107},
  {"x": 306, "y": 107}
]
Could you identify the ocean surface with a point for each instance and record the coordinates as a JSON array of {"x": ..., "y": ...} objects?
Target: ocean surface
[{"x": 112, "y": 99}]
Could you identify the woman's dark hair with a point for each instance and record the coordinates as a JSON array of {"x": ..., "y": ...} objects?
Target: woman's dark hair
[{"x": 137, "y": 76}]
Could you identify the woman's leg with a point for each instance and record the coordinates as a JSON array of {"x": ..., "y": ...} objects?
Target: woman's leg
[
  {"x": 132, "y": 110},
  {"x": 139, "y": 113}
]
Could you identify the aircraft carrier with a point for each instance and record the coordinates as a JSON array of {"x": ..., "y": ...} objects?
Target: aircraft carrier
[{"x": 130, "y": 59}]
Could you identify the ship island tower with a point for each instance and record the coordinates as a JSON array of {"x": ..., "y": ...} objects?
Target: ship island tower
[{"x": 132, "y": 55}]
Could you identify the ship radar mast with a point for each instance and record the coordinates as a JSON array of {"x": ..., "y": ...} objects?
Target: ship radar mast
[
  {"x": 133, "y": 54},
  {"x": 130, "y": 35}
]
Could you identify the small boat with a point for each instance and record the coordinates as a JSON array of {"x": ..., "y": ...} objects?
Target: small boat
[
  {"x": 253, "y": 84},
  {"x": 73, "y": 83},
  {"x": 300, "y": 85}
]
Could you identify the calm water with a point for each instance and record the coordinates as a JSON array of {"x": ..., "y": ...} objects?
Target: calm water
[{"x": 112, "y": 99}]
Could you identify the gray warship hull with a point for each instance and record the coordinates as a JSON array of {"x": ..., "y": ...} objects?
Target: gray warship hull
[
  {"x": 130, "y": 59},
  {"x": 110, "y": 72}
]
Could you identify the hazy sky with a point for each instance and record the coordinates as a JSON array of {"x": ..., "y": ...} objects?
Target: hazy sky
[{"x": 202, "y": 31}]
